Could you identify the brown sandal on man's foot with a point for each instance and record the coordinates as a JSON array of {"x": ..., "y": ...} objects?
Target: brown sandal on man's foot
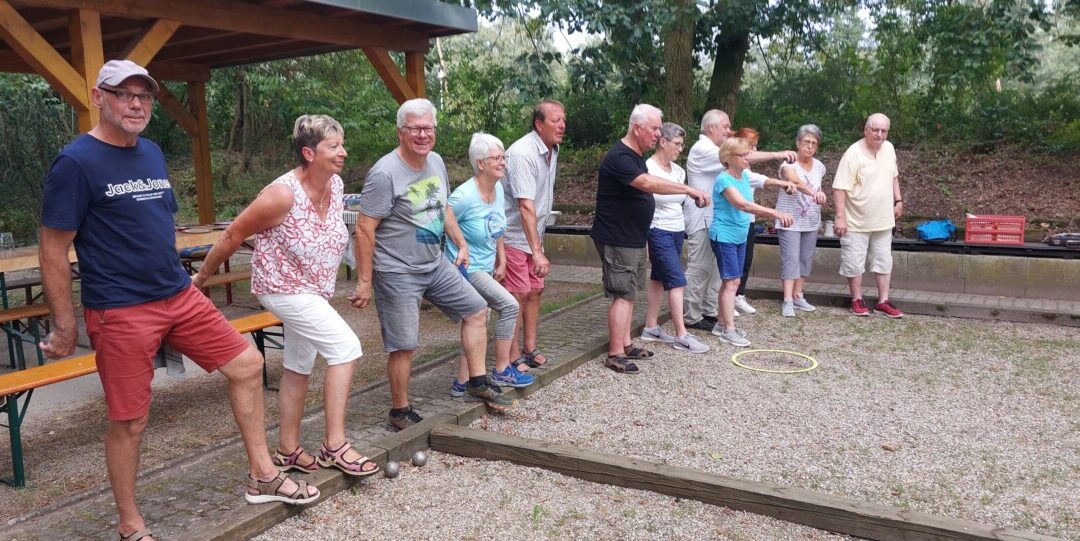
[
  {"x": 634, "y": 352},
  {"x": 621, "y": 364},
  {"x": 136, "y": 535},
  {"x": 530, "y": 358}
]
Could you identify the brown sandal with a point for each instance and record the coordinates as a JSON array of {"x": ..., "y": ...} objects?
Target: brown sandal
[
  {"x": 137, "y": 535},
  {"x": 270, "y": 491},
  {"x": 634, "y": 352},
  {"x": 291, "y": 461},
  {"x": 621, "y": 364}
]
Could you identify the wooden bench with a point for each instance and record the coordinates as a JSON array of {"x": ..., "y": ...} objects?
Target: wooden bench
[
  {"x": 24, "y": 324},
  {"x": 20, "y": 384},
  {"x": 226, "y": 279}
]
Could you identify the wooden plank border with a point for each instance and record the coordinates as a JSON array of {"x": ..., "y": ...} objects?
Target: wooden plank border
[{"x": 823, "y": 511}]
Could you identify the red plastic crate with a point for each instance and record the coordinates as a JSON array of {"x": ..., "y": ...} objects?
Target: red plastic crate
[{"x": 994, "y": 229}]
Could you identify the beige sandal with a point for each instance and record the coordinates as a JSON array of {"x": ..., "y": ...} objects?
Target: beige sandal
[
  {"x": 137, "y": 535},
  {"x": 270, "y": 491},
  {"x": 336, "y": 458}
]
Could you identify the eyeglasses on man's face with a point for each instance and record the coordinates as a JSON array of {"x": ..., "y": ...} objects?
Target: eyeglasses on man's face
[
  {"x": 417, "y": 130},
  {"x": 126, "y": 96}
]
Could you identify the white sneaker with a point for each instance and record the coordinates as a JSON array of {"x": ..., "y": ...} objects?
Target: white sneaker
[
  {"x": 787, "y": 309},
  {"x": 801, "y": 304},
  {"x": 689, "y": 342},
  {"x": 657, "y": 334},
  {"x": 734, "y": 337},
  {"x": 742, "y": 306}
]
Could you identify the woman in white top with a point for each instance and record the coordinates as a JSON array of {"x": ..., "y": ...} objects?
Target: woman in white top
[
  {"x": 798, "y": 242},
  {"x": 665, "y": 246}
]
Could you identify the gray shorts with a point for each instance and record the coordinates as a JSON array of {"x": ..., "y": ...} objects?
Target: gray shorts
[
  {"x": 398, "y": 295},
  {"x": 796, "y": 253},
  {"x": 498, "y": 299},
  {"x": 623, "y": 268}
]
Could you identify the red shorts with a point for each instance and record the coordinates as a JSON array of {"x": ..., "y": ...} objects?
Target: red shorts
[
  {"x": 519, "y": 276},
  {"x": 127, "y": 339}
]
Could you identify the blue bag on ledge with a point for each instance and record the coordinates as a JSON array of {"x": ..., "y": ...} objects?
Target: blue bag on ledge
[{"x": 936, "y": 231}]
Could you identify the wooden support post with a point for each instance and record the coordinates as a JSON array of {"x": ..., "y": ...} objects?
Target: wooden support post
[
  {"x": 389, "y": 73},
  {"x": 200, "y": 149},
  {"x": 87, "y": 57},
  {"x": 851, "y": 517},
  {"x": 414, "y": 72},
  {"x": 178, "y": 111},
  {"x": 42, "y": 58}
]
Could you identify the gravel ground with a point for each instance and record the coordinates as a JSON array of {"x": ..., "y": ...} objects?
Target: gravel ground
[
  {"x": 439, "y": 501},
  {"x": 974, "y": 420}
]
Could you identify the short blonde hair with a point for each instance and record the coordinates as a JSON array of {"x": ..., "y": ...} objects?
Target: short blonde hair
[
  {"x": 731, "y": 147},
  {"x": 310, "y": 130}
]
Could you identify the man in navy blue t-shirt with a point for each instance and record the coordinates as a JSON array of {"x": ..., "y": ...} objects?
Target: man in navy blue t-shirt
[
  {"x": 108, "y": 192},
  {"x": 624, "y": 210}
]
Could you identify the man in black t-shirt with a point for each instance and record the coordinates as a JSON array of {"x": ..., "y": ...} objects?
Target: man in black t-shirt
[{"x": 624, "y": 210}]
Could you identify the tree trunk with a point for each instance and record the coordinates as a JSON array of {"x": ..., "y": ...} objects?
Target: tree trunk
[
  {"x": 679, "y": 65},
  {"x": 727, "y": 73}
]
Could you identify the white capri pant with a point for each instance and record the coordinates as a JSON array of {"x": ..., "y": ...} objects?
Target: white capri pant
[
  {"x": 312, "y": 326},
  {"x": 858, "y": 247}
]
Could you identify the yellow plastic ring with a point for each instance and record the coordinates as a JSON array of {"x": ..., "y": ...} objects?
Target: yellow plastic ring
[{"x": 813, "y": 361}]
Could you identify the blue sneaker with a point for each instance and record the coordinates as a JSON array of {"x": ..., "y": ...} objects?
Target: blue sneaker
[
  {"x": 510, "y": 377},
  {"x": 457, "y": 389}
]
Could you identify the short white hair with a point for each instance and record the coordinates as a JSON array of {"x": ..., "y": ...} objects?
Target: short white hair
[
  {"x": 481, "y": 146},
  {"x": 415, "y": 107},
  {"x": 641, "y": 114},
  {"x": 711, "y": 118}
]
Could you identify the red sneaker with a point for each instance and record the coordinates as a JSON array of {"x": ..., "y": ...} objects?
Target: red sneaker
[
  {"x": 887, "y": 308},
  {"x": 858, "y": 307}
]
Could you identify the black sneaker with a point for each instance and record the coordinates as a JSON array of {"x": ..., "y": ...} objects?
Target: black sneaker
[
  {"x": 702, "y": 325},
  {"x": 401, "y": 421},
  {"x": 711, "y": 319},
  {"x": 490, "y": 395}
]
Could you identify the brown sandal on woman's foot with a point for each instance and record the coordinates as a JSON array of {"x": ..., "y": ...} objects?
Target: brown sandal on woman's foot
[
  {"x": 271, "y": 491},
  {"x": 621, "y": 364},
  {"x": 136, "y": 535},
  {"x": 336, "y": 458},
  {"x": 291, "y": 461}
]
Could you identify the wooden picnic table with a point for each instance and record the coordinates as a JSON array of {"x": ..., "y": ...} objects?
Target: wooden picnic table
[{"x": 27, "y": 257}]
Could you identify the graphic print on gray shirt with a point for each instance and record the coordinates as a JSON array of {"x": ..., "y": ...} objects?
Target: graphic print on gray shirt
[{"x": 412, "y": 207}]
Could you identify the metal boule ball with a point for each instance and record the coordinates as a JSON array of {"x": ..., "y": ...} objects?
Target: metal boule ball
[
  {"x": 392, "y": 469},
  {"x": 419, "y": 458}
]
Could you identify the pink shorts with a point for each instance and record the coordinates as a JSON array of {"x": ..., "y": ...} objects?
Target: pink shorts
[
  {"x": 519, "y": 276},
  {"x": 127, "y": 339}
]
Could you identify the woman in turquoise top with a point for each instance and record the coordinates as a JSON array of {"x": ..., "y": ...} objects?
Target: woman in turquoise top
[
  {"x": 480, "y": 210},
  {"x": 733, "y": 206}
]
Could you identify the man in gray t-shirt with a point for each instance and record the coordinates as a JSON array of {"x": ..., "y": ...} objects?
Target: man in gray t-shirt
[
  {"x": 403, "y": 215},
  {"x": 530, "y": 190}
]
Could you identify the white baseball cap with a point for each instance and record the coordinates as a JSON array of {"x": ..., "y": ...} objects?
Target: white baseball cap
[{"x": 115, "y": 72}]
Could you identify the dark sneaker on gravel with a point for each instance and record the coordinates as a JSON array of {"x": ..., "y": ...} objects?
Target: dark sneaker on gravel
[
  {"x": 490, "y": 395},
  {"x": 702, "y": 325}
]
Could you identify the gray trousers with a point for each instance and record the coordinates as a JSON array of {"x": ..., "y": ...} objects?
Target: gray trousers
[{"x": 702, "y": 278}]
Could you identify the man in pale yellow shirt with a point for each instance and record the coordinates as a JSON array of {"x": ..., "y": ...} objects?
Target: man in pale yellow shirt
[{"x": 866, "y": 190}]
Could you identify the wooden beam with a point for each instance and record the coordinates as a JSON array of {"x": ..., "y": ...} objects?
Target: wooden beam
[
  {"x": 248, "y": 18},
  {"x": 850, "y": 517},
  {"x": 414, "y": 73},
  {"x": 200, "y": 150},
  {"x": 162, "y": 71},
  {"x": 142, "y": 49},
  {"x": 87, "y": 57},
  {"x": 41, "y": 57},
  {"x": 389, "y": 73},
  {"x": 178, "y": 111}
]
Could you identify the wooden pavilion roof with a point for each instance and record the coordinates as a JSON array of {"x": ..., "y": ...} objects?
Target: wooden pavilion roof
[{"x": 212, "y": 34}]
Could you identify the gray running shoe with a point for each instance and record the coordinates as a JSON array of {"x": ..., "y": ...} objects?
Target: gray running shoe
[
  {"x": 656, "y": 334},
  {"x": 787, "y": 309},
  {"x": 490, "y": 395},
  {"x": 801, "y": 304},
  {"x": 734, "y": 337},
  {"x": 689, "y": 342},
  {"x": 743, "y": 307}
]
